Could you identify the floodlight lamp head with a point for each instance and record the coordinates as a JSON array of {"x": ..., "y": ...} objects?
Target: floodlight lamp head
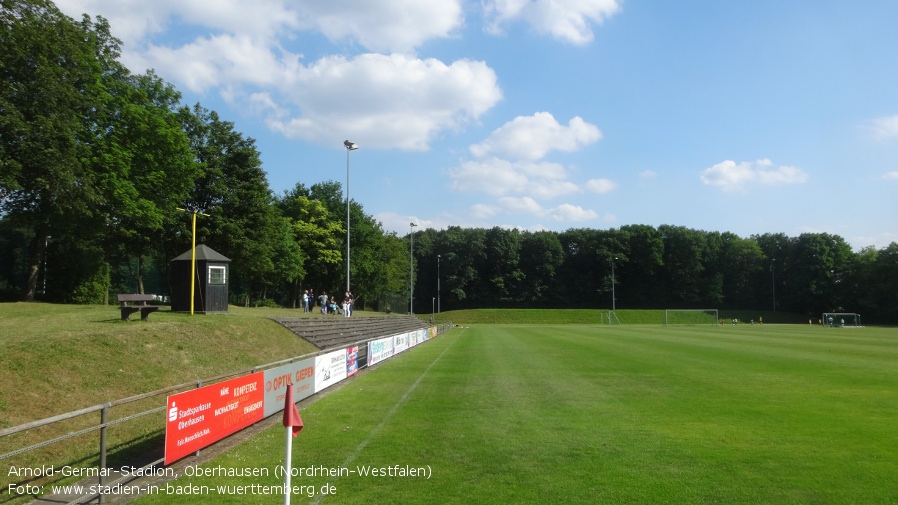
[{"x": 352, "y": 146}]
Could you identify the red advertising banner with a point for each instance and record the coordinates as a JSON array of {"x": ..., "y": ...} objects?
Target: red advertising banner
[
  {"x": 352, "y": 360},
  {"x": 203, "y": 416}
]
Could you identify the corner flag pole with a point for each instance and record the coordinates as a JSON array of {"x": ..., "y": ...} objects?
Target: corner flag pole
[
  {"x": 293, "y": 423},
  {"x": 288, "y": 467}
]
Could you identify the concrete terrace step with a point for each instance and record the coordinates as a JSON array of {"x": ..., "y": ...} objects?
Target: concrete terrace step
[{"x": 327, "y": 333}]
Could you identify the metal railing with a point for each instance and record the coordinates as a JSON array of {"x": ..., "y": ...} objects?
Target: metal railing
[{"x": 104, "y": 409}]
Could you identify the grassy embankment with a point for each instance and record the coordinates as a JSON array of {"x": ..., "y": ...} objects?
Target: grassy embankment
[
  {"x": 593, "y": 316},
  {"x": 60, "y": 358}
]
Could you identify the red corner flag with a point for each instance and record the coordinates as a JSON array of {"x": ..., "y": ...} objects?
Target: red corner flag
[{"x": 291, "y": 414}]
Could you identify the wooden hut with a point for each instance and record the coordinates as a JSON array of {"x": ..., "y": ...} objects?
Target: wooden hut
[{"x": 211, "y": 282}]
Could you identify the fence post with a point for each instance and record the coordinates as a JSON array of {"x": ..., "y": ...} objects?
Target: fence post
[
  {"x": 103, "y": 414},
  {"x": 199, "y": 384}
]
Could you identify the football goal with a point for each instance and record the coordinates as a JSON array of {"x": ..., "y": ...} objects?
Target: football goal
[
  {"x": 610, "y": 318},
  {"x": 839, "y": 319},
  {"x": 690, "y": 316}
]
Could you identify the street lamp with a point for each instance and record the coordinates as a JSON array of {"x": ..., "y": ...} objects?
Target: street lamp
[
  {"x": 438, "y": 284},
  {"x": 350, "y": 146},
  {"x": 613, "y": 299},
  {"x": 411, "y": 271},
  {"x": 773, "y": 281}
]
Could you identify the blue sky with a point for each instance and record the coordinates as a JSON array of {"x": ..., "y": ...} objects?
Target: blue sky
[{"x": 747, "y": 117}]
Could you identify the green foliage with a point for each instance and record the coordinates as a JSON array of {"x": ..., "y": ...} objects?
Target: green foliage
[
  {"x": 50, "y": 87},
  {"x": 93, "y": 289},
  {"x": 94, "y": 161}
]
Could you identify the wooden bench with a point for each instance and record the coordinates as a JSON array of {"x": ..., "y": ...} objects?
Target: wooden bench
[{"x": 130, "y": 304}]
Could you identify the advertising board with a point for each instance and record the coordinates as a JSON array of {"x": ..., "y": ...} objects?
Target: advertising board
[
  {"x": 300, "y": 373},
  {"x": 330, "y": 369},
  {"x": 203, "y": 416},
  {"x": 352, "y": 360},
  {"x": 400, "y": 343},
  {"x": 379, "y": 350}
]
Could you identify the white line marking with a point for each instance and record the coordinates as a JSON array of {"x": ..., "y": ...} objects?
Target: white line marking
[{"x": 387, "y": 417}]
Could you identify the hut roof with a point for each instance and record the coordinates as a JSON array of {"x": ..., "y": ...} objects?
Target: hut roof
[{"x": 203, "y": 252}]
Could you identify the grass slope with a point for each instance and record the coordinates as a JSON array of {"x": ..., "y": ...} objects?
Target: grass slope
[
  {"x": 583, "y": 414},
  {"x": 60, "y": 358},
  {"x": 80, "y": 355}
]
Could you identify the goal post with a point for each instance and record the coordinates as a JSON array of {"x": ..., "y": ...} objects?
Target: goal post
[
  {"x": 690, "y": 316},
  {"x": 840, "y": 319},
  {"x": 610, "y": 318}
]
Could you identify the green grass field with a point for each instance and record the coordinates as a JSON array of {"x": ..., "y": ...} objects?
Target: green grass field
[{"x": 586, "y": 414}]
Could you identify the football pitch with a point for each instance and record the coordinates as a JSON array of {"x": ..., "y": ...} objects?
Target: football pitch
[{"x": 587, "y": 414}]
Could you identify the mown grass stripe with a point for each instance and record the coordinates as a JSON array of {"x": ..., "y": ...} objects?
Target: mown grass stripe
[
  {"x": 583, "y": 414},
  {"x": 389, "y": 415}
]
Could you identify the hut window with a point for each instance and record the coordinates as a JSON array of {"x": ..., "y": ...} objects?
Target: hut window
[{"x": 217, "y": 275}]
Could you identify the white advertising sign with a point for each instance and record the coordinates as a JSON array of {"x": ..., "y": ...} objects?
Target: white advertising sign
[{"x": 330, "y": 369}]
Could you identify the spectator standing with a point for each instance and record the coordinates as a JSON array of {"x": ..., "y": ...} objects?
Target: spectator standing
[
  {"x": 323, "y": 301},
  {"x": 347, "y": 304}
]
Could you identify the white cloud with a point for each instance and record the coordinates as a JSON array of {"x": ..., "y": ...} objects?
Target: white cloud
[
  {"x": 648, "y": 174},
  {"x": 500, "y": 177},
  {"x": 238, "y": 49},
  {"x": 399, "y": 223},
  {"x": 567, "y": 212},
  {"x": 393, "y": 101},
  {"x": 879, "y": 241},
  {"x": 532, "y": 137},
  {"x": 730, "y": 176},
  {"x": 385, "y": 25},
  {"x": 884, "y": 128},
  {"x": 567, "y": 20},
  {"x": 218, "y": 61},
  {"x": 601, "y": 186},
  {"x": 521, "y": 205},
  {"x": 564, "y": 213},
  {"x": 891, "y": 176},
  {"x": 377, "y": 25},
  {"x": 484, "y": 211}
]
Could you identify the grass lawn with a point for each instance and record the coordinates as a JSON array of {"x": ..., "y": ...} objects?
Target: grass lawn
[
  {"x": 585, "y": 414},
  {"x": 59, "y": 358}
]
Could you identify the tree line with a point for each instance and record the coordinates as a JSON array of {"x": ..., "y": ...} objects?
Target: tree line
[
  {"x": 642, "y": 266},
  {"x": 95, "y": 163}
]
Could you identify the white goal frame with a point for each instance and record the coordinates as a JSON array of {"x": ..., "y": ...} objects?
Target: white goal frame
[
  {"x": 610, "y": 318},
  {"x": 707, "y": 311},
  {"x": 838, "y": 317}
]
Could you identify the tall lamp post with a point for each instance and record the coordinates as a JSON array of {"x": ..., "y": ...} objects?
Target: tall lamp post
[
  {"x": 613, "y": 299},
  {"x": 411, "y": 271},
  {"x": 350, "y": 146},
  {"x": 773, "y": 281},
  {"x": 438, "y": 284}
]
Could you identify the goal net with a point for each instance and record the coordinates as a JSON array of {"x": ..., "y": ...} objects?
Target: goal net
[
  {"x": 690, "y": 316},
  {"x": 839, "y": 319},
  {"x": 610, "y": 318}
]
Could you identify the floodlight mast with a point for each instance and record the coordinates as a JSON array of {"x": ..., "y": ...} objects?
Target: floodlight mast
[
  {"x": 350, "y": 146},
  {"x": 613, "y": 299},
  {"x": 411, "y": 270}
]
